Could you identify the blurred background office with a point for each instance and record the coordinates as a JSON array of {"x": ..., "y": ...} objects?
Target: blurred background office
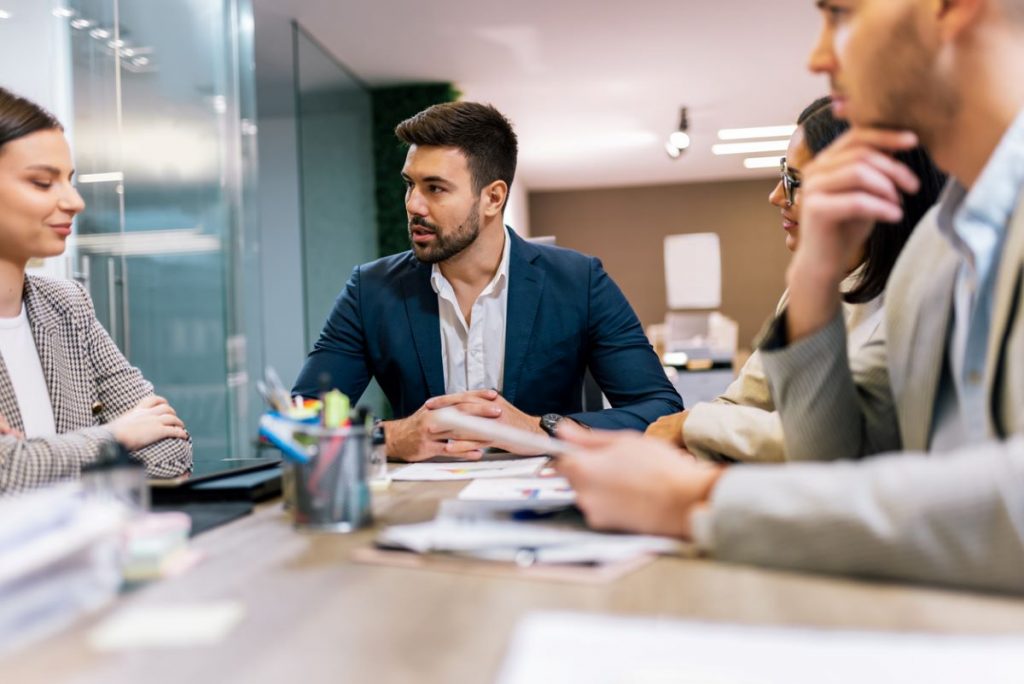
[{"x": 238, "y": 160}]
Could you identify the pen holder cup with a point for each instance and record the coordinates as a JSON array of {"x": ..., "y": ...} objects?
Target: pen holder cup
[{"x": 331, "y": 492}]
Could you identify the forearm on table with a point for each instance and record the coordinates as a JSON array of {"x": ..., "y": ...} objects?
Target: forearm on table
[
  {"x": 955, "y": 519},
  {"x": 30, "y": 463},
  {"x": 742, "y": 433}
]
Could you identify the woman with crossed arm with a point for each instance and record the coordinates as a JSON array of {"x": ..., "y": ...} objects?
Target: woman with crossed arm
[{"x": 65, "y": 388}]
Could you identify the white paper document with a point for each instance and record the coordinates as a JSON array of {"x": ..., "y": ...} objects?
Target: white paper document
[
  {"x": 509, "y": 540},
  {"x": 568, "y": 648},
  {"x": 546, "y": 490},
  {"x": 470, "y": 470},
  {"x": 693, "y": 271},
  {"x": 180, "y": 625}
]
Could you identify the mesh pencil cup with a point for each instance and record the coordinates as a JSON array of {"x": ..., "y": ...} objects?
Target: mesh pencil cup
[{"x": 331, "y": 492}]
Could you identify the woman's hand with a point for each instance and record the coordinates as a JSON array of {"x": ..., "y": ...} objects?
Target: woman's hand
[
  {"x": 6, "y": 429},
  {"x": 150, "y": 421},
  {"x": 669, "y": 429},
  {"x": 628, "y": 483}
]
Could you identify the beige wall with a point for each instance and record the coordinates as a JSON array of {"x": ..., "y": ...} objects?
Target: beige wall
[{"x": 625, "y": 228}]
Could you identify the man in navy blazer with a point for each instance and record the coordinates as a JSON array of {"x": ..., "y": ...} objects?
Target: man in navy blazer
[{"x": 476, "y": 317}]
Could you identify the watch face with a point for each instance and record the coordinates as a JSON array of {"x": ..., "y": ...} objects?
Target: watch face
[
  {"x": 550, "y": 422},
  {"x": 377, "y": 436}
]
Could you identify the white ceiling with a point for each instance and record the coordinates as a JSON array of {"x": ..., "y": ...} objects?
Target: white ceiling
[{"x": 592, "y": 90}]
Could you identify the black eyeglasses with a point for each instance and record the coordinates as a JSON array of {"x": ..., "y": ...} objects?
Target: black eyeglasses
[{"x": 789, "y": 182}]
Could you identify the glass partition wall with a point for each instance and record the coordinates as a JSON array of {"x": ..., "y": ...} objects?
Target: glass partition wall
[
  {"x": 339, "y": 218},
  {"x": 163, "y": 105},
  {"x": 158, "y": 100},
  {"x": 338, "y": 209}
]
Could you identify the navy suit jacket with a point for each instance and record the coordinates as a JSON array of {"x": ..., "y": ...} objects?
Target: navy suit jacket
[{"x": 565, "y": 315}]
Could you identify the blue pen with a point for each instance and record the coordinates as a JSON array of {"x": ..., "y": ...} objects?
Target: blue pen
[{"x": 279, "y": 433}]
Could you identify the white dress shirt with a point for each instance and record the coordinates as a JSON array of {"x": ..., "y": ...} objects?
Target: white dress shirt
[
  {"x": 18, "y": 349},
  {"x": 473, "y": 355}
]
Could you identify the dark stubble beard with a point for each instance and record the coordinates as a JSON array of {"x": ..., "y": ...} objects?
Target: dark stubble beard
[
  {"x": 444, "y": 246},
  {"x": 916, "y": 97}
]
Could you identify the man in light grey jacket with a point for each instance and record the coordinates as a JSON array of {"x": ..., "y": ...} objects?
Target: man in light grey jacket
[{"x": 941, "y": 390}]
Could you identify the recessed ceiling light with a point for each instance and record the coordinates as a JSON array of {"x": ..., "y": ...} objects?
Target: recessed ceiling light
[
  {"x": 100, "y": 34},
  {"x": 114, "y": 44},
  {"x": 80, "y": 24},
  {"x": 750, "y": 147},
  {"x": 761, "y": 163},
  {"x": 63, "y": 12},
  {"x": 140, "y": 61},
  {"x": 756, "y": 132},
  {"x": 4, "y": 14},
  {"x": 680, "y": 140}
]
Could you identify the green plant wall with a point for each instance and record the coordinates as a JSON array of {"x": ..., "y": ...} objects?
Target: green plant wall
[{"x": 391, "y": 106}]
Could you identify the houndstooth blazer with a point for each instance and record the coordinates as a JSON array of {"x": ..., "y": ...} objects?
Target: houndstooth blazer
[{"x": 90, "y": 384}]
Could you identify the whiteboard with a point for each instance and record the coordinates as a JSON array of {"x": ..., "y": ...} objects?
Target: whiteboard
[{"x": 693, "y": 271}]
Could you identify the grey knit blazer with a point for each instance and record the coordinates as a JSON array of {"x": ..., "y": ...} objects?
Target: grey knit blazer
[{"x": 90, "y": 384}]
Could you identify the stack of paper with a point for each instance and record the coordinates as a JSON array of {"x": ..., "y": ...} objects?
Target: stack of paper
[
  {"x": 520, "y": 494},
  {"x": 59, "y": 558},
  {"x": 471, "y": 470},
  {"x": 563, "y": 647},
  {"x": 526, "y": 543}
]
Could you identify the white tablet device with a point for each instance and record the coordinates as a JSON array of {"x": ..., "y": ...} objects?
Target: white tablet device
[{"x": 493, "y": 431}]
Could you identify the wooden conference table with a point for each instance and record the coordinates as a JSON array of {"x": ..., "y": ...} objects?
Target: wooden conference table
[{"x": 313, "y": 615}]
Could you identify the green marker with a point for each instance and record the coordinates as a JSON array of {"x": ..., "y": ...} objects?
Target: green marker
[{"x": 336, "y": 409}]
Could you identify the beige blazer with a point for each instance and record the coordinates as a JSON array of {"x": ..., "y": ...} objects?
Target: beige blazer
[
  {"x": 90, "y": 383},
  {"x": 952, "y": 518},
  {"x": 742, "y": 423}
]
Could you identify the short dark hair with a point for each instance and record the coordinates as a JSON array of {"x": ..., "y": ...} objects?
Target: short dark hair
[
  {"x": 20, "y": 117},
  {"x": 820, "y": 129},
  {"x": 480, "y": 131}
]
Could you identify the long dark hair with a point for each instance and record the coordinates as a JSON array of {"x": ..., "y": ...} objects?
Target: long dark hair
[
  {"x": 887, "y": 239},
  {"x": 20, "y": 117}
]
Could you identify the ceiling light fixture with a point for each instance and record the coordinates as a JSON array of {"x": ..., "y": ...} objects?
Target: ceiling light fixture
[
  {"x": 679, "y": 140},
  {"x": 100, "y": 33},
  {"x": 112, "y": 177},
  {"x": 761, "y": 163},
  {"x": 4, "y": 14},
  {"x": 63, "y": 12},
  {"x": 80, "y": 24},
  {"x": 756, "y": 132},
  {"x": 751, "y": 147}
]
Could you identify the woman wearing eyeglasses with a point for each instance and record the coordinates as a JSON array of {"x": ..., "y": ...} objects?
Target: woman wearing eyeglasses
[
  {"x": 65, "y": 389},
  {"x": 742, "y": 424}
]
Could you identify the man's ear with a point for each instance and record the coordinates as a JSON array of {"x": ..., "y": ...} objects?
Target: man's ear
[
  {"x": 957, "y": 16},
  {"x": 493, "y": 198}
]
